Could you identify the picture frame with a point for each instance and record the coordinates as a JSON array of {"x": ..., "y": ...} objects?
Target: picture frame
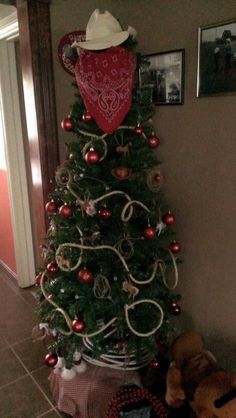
[
  {"x": 164, "y": 73},
  {"x": 216, "y": 74}
]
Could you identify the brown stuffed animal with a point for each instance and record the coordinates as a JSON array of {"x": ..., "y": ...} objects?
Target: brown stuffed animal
[{"x": 196, "y": 377}]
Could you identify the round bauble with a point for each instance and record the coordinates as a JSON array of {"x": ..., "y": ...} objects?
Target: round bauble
[
  {"x": 105, "y": 213},
  {"x": 175, "y": 247},
  {"x": 52, "y": 267},
  {"x": 92, "y": 157},
  {"x": 77, "y": 325},
  {"x": 155, "y": 364},
  {"x": 85, "y": 276},
  {"x": 67, "y": 124},
  {"x": 65, "y": 211},
  {"x": 149, "y": 233},
  {"x": 175, "y": 308},
  {"x": 51, "y": 207},
  {"x": 87, "y": 117},
  {"x": 157, "y": 178},
  {"x": 138, "y": 130},
  {"x": 50, "y": 359},
  {"x": 154, "y": 141},
  {"x": 168, "y": 219}
]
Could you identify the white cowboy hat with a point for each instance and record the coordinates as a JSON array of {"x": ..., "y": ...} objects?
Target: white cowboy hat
[{"x": 104, "y": 31}]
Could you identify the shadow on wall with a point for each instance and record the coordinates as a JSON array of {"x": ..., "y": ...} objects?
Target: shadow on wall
[{"x": 224, "y": 350}]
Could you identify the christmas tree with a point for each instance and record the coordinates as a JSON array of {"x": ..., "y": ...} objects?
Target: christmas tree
[{"x": 110, "y": 260}]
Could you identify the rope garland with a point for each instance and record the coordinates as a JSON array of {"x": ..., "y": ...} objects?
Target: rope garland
[
  {"x": 163, "y": 268},
  {"x": 121, "y": 127},
  {"x": 102, "y": 247},
  {"x": 67, "y": 318},
  {"x": 132, "y": 305},
  {"x": 126, "y": 218}
]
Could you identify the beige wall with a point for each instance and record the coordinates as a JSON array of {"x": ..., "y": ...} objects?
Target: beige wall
[{"x": 198, "y": 149}]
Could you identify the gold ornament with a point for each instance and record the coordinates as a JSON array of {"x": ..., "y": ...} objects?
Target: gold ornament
[{"x": 121, "y": 173}]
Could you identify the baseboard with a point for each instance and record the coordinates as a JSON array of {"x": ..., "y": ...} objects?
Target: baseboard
[{"x": 6, "y": 271}]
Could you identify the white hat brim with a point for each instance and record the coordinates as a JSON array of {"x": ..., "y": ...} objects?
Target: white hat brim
[{"x": 106, "y": 42}]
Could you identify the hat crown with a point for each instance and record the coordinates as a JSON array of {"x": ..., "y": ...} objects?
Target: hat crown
[{"x": 101, "y": 25}]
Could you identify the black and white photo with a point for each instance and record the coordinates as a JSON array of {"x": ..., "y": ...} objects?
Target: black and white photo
[
  {"x": 217, "y": 59},
  {"x": 164, "y": 75}
]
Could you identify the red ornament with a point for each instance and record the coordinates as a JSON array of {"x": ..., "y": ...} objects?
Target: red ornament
[
  {"x": 155, "y": 364},
  {"x": 66, "y": 211},
  {"x": 154, "y": 141},
  {"x": 38, "y": 279},
  {"x": 138, "y": 130},
  {"x": 85, "y": 276},
  {"x": 51, "y": 359},
  {"x": 67, "y": 124},
  {"x": 87, "y": 117},
  {"x": 157, "y": 178},
  {"x": 149, "y": 232},
  {"x": 175, "y": 247},
  {"x": 92, "y": 157},
  {"x": 105, "y": 213},
  {"x": 52, "y": 267},
  {"x": 168, "y": 219},
  {"x": 78, "y": 326},
  {"x": 175, "y": 308},
  {"x": 51, "y": 207}
]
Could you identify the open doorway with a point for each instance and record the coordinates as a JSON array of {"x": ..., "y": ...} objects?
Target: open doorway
[{"x": 14, "y": 138}]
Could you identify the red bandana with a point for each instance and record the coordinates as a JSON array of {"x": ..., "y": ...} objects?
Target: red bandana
[{"x": 106, "y": 80}]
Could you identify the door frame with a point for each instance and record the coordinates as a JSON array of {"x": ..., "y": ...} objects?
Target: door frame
[
  {"x": 15, "y": 154},
  {"x": 39, "y": 99}
]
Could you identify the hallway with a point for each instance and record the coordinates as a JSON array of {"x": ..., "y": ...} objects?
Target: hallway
[{"x": 24, "y": 390}]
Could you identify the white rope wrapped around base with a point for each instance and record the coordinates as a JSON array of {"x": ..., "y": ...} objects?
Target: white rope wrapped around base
[{"x": 114, "y": 360}]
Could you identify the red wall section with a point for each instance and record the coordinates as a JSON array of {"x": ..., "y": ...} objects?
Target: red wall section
[{"x": 7, "y": 250}]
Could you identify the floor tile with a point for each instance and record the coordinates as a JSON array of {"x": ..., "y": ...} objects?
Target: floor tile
[
  {"x": 28, "y": 296},
  {"x": 18, "y": 325},
  {"x": 3, "y": 343},
  {"x": 22, "y": 399},
  {"x": 10, "y": 367},
  {"x": 41, "y": 377},
  {"x": 31, "y": 353}
]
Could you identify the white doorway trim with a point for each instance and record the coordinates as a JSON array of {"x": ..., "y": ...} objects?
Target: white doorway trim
[{"x": 15, "y": 154}]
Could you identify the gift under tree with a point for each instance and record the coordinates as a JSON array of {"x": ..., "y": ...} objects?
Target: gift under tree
[{"x": 110, "y": 257}]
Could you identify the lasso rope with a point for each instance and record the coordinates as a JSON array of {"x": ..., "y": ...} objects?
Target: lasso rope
[
  {"x": 67, "y": 318},
  {"x": 121, "y": 127},
  {"x": 101, "y": 247},
  {"x": 132, "y": 305}
]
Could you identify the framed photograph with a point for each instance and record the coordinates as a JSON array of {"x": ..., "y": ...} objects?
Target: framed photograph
[
  {"x": 217, "y": 59},
  {"x": 164, "y": 74}
]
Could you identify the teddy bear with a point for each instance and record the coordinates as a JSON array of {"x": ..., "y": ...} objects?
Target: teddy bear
[{"x": 196, "y": 377}]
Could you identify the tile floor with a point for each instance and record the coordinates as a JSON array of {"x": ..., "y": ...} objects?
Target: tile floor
[{"x": 24, "y": 389}]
